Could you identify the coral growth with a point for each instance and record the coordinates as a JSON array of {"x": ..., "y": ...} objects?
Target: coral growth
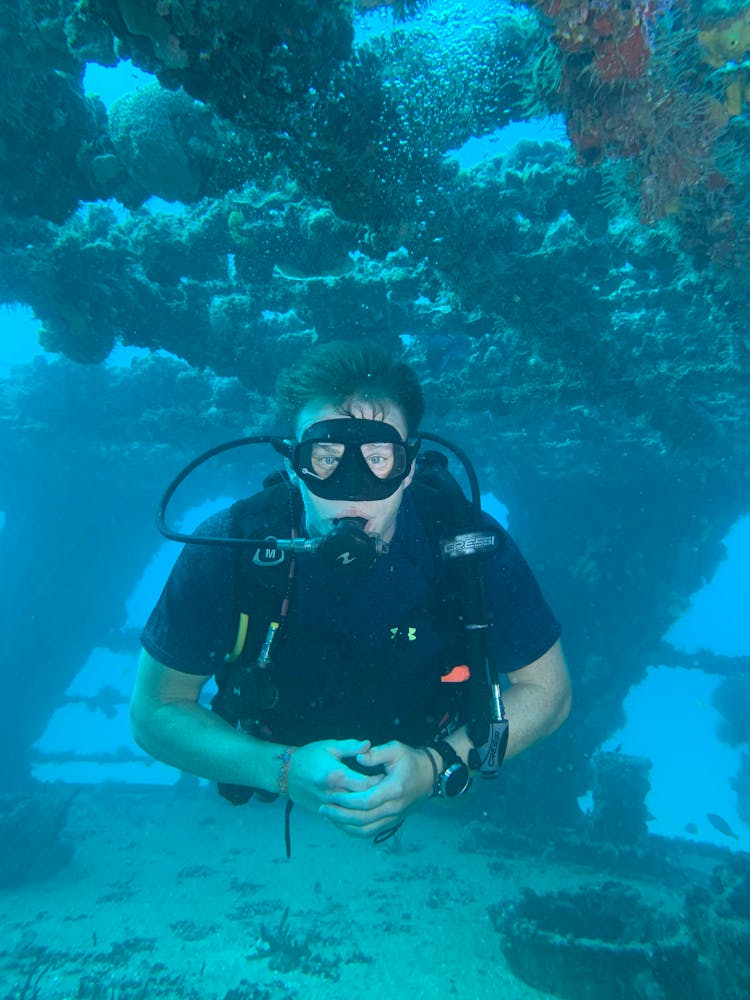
[
  {"x": 153, "y": 25},
  {"x": 641, "y": 82},
  {"x": 174, "y": 147},
  {"x": 615, "y": 35}
]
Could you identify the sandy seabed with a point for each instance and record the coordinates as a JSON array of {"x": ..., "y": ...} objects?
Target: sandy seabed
[{"x": 182, "y": 895}]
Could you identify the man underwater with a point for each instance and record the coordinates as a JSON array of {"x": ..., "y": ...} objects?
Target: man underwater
[{"x": 355, "y": 695}]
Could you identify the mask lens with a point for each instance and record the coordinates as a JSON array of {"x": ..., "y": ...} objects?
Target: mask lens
[
  {"x": 383, "y": 460},
  {"x": 323, "y": 458}
]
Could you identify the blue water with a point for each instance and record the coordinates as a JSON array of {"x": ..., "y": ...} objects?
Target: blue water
[
  {"x": 719, "y": 615},
  {"x": 21, "y": 341},
  {"x": 112, "y": 82},
  {"x": 670, "y": 716}
]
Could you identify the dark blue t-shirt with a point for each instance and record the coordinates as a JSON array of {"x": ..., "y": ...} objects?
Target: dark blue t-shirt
[{"x": 354, "y": 658}]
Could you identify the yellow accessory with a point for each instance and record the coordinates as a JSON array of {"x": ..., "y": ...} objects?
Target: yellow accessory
[{"x": 239, "y": 642}]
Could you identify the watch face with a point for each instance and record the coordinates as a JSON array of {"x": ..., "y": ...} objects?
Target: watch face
[{"x": 455, "y": 780}]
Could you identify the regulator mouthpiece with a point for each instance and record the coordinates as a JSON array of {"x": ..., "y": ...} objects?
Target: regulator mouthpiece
[{"x": 348, "y": 550}]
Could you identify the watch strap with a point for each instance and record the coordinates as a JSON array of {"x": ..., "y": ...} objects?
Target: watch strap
[
  {"x": 435, "y": 772},
  {"x": 447, "y": 754},
  {"x": 451, "y": 764}
]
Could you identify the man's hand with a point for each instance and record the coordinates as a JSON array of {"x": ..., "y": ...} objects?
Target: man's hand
[
  {"x": 366, "y": 812},
  {"x": 317, "y": 771}
]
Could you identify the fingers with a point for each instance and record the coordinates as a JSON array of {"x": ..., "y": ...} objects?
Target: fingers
[
  {"x": 362, "y": 804},
  {"x": 363, "y": 807},
  {"x": 353, "y": 817},
  {"x": 345, "y": 778},
  {"x": 347, "y": 748},
  {"x": 361, "y": 824},
  {"x": 385, "y": 754},
  {"x": 345, "y": 782},
  {"x": 370, "y": 831},
  {"x": 367, "y": 812},
  {"x": 362, "y": 800},
  {"x": 318, "y": 769},
  {"x": 381, "y": 789}
]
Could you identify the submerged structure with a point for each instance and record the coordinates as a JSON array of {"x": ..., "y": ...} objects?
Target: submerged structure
[{"x": 577, "y": 309}]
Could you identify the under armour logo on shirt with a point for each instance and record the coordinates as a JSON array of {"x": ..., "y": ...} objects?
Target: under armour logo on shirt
[{"x": 408, "y": 633}]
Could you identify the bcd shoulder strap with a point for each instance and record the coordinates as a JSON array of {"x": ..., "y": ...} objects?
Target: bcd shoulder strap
[
  {"x": 273, "y": 513},
  {"x": 262, "y": 579},
  {"x": 439, "y": 499}
]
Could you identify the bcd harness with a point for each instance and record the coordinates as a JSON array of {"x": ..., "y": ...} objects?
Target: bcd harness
[{"x": 246, "y": 686}]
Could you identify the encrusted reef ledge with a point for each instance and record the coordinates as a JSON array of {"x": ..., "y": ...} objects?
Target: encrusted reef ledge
[
  {"x": 32, "y": 832},
  {"x": 600, "y": 941},
  {"x": 682, "y": 936}
]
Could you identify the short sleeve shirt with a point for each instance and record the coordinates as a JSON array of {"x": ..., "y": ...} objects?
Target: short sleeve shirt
[{"x": 194, "y": 623}]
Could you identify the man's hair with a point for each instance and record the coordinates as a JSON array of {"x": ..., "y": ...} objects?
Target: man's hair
[{"x": 340, "y": 371}]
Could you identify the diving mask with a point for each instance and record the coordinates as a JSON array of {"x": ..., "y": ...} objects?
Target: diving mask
[{"x": 353, "y": 459}]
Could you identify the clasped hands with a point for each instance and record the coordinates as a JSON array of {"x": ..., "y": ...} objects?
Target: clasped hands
[{"x": 362, "y": 805}]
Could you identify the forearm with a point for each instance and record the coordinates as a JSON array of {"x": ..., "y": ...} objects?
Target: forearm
[
  {"x": 187, "y": 736},
  {"x": 533, "y": 712},
  {"x": 531, "y": 716}
]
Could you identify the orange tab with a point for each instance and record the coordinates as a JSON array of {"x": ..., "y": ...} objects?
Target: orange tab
[{"x": 458, "y": 675}]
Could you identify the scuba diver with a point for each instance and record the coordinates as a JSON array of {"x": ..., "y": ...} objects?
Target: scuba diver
[{"x": 376, "y": 639}]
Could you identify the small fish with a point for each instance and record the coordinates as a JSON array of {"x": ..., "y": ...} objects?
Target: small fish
[
  {"x": 691, "y": 828},
  {"x": 720, "y": 824}
]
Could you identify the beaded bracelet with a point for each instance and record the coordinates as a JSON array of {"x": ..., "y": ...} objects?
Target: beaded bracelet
[
  {"x": 286, "y": 759},
  {"x": 435, "y": 773}
]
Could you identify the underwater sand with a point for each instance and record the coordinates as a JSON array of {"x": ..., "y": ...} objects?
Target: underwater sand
[{"x": 172, "y": 895}]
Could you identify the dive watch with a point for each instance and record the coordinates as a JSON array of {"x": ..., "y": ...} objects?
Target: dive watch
[{"x": 455, "y": 776}]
